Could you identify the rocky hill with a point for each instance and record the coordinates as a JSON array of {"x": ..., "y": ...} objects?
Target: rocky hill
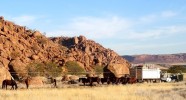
[
  {"x": 166, "y": 58},
  {"x": 20, "y": 46},
  {"x": 89, "y": 53}
]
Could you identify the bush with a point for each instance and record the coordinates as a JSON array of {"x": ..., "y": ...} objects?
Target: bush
[
  {"x": 43, "y": 69},
  {"x": 35, "y": 69},
  {"x": 98, "y": 69},
  {"x": 52, "y": 69},
  {"x": 177, "y": 69},
  {"x": 74, "y": 68}
]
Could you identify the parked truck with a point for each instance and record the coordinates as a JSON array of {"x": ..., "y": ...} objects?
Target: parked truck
[{"x": 145, "y": 74}]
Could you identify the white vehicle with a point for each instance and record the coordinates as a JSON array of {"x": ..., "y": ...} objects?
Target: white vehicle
[
  {"x": 145, "y": 74},
  {"x": 171, "y": 77},
  {"x": 166, "y": 79},
  {"x": 151, "y": 73}
]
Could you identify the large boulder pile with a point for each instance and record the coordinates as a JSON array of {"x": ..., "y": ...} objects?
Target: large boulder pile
[
  {"x": 90, "y": 53},
  {"x": 20, "y": 46}
]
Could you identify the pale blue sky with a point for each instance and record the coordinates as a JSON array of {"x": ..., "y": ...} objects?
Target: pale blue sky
[{"x": 125, "y": 26}]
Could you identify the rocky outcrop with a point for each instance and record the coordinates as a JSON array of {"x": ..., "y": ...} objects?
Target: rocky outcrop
[
  {"x": 164, "y": 59},
  {"x": 36, "y": 81},
  {"x": 36, "y": 34},
  {"x": 119, "y": 70},
  {"x": 90, "y": 53},
  {"x": 70, "y": 78},
  {"x": 20, "y": 46},
  {"x": 4, "y": 73}
]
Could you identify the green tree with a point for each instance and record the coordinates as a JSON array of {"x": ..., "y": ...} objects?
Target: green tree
[
  {"x": 35, "y": 69},
  {"x": 98, "y": 69},
  {"x": 44, "y": 69},
  {"x": 74, "y": 68},
  {"x": 177, "y": 69},
  {"x": 52, "y": 69}
]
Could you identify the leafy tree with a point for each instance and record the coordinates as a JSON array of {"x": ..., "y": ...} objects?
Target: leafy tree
[
  {"x": 177, "y": 69},
  {"x": 74, "y": 68},
  {"x": 98, "y": 69},
  {"x": 35, "y": 69},
  {"x": 44, "y": 69},
  {"x": 52, "y": 69}
]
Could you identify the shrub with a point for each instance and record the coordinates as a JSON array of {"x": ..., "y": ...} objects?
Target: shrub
[
  {"x": 35, "y": 69},
  {"x": 98, "y": 69},
  {"x": 52, "y": 69},
  {"x": 43, "y": 69},
  {"x": 177, "y": 69},
  {"x": 74, "y": 68}
]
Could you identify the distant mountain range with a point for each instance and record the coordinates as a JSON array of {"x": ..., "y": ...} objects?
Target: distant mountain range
[{"x": 163, "y": 58}]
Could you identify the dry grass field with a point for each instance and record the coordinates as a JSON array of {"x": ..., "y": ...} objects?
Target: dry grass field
[
  {"x": 145, "y": 91},
  {"x": 139, "y": 91}
]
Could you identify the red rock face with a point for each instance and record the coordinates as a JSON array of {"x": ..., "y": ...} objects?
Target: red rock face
[
  {"x": 4, "y": 74},
  {"x": 20, "y": 46},
  {"x": 89, "y": 52}
]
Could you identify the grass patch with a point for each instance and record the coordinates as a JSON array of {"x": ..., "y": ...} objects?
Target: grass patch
[{"x": 147, "y": 91}]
